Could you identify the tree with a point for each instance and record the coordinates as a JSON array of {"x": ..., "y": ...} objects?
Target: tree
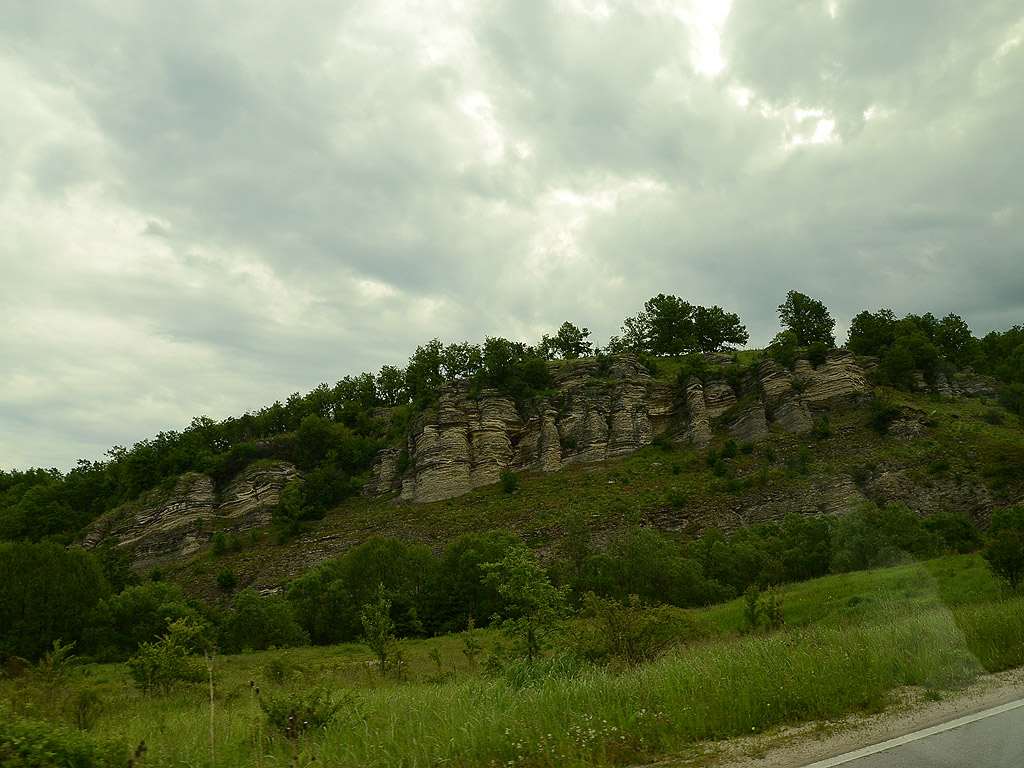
[
  {"x": 872, "y": 334},
  {"x": 569, "y": 344},
  {"x": 261, "y": 621},
  {"x": 391, "y": 389},
  {"x": 1004, "y": 547},
  {"x": 533, "y": 605},
  {"x": 672, "y": 330},
  {"x": 954, "y": 339},
  {"x": 715, "y": 329},
  {"x": 808, "y": 318},
  {"x": 379, "y": 632}
]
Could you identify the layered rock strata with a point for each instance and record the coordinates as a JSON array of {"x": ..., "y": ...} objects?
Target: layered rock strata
[
  {"x": 162, "y": 525},
  {"x": 602, "y": 409}
]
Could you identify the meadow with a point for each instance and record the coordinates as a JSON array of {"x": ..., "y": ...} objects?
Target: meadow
[{"x": 848, "y": 644}]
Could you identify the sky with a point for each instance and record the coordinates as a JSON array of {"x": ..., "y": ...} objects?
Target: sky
[{"x": 207, "y": 206}]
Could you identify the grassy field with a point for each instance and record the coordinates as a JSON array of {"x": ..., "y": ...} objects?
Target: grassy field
[{"x": 848, "y": 643}]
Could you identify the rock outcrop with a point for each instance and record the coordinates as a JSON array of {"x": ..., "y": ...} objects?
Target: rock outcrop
[
  {"x": 164, "y": 525},
  {"x": 602, "y": 409}
]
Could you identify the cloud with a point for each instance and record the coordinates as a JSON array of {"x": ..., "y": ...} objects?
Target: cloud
[{"x": 204, "y": 208}]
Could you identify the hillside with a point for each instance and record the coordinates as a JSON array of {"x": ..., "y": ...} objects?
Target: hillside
[{"x": 679, "y": 444}]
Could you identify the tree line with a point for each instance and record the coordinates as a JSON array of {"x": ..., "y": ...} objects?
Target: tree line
[{"x": 50, "y": 593}]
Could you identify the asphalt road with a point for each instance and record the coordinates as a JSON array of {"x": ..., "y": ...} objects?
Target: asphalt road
[{"x": 993, "y": 738}]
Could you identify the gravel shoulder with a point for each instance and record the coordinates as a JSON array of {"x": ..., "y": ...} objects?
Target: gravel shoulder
[{"x": 800, "y": 745}]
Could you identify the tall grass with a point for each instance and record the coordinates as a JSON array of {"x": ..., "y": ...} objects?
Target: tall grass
[
  {"x": 838, "y": 655},
  {"x": 566, "y": 713}
]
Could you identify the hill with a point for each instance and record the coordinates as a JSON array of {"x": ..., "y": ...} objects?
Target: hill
[{"x": 678, "y": 443}]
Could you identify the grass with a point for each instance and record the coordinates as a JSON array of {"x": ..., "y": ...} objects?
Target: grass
[{"x": 850, "y": 641}]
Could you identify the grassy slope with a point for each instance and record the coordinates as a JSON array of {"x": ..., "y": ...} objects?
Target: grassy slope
[{"x": 849, "y": 642}]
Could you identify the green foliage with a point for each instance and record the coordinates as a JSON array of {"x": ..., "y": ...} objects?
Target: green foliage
[
  {"x": 1004, "y": 545},
  {"x": 872, "y": 333},
  {"x": 762, "y": 609},
  {"x": 218, "y": 544},
  {"x": 533, "y": 607},
  {"x": 882, "y": 412},
  {"x": 26, "y": 743},
  {"x": 138, "y": 614},
  {"x": 627, "y": 633},
  {"x": 822, "y": 428},
  {"x": 569, "y": 344},
  {"x": 512, "y": 367},
  {"x": 676, "y": 498},
  {"x": 458, "y": 591},
  {"x": 808, "y": 319},
  {"x": 259, "y": 622},
  {"x": 379, "y": 633},
  {"x": 784, "y": 349},
  {"x": 47, "y": 592},
  {"x": 509, "y": 480},
  {"x": 670, "y": 326},
  {"x": 294, "y": 713},
  {"x": 170, "y": 661},
  {"x": 957, "y": 531},
  {"x": 806, "y": 546},
  {"x": 872, "y": 536},
  {"x": 328, "y": 599},
  {"x": 816, "y": 353},
  {"x": 226, "y": 580}
]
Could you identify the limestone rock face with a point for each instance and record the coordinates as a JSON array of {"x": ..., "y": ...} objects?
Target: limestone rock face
[
  {"x": 602, "y": 409},
  {"x": 749, "y": 424},
  {"x": 163, "y": 525},
  {"x": 838, "y": 377}
]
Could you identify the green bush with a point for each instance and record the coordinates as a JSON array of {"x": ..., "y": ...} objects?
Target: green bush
[
  {"x": 160, "y": 666},
  {"x": 294, "y": 713},
  {"x": 883, "y": 412},
  {"x": 628, "y": 633},
  {"x": 816, "y": 353},
  {"x": 871, "y": 537},
  {"x": 509, "y": 480},
  {"x": 226, "y": 580},
  {"x": 957, "y": 531},
  {"x": 26, "y": 743},
  {"x": 259, "y": 622}
]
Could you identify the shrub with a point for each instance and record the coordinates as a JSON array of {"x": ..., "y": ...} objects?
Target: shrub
[
  {"x": 259, "y": 622},
  {"x": 226, "y": 580},
  {"x": 993, "y": 416},
  {"x": 882, "y": 413},
  {"x": 218, "y": 544},
  {"x": 957, "y": 531},
  {"x": 629, "y": 633},
  {"x": 730, "y": 450},
  {"x": 379, "y": 633},
  {"x": 1004, "y": 548},
  {"x": 26, "y": 743},
  {"x": 509, "y": 480},
  {"x": 816, "y": 353},
  {"x": 294, "y": 713},
  {"x": 161, "y": 665},
  {"x": 676, "y": 498},
  {"x": 871, "y": 537},
  {"x": 822, "y": 428}
]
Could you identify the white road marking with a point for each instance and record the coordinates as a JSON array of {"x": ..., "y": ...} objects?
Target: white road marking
[{"x": 922, "y": 734}]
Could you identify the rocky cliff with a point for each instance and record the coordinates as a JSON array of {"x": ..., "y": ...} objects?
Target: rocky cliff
[
  {"x": 165, "y": 525},
  {"x": 602, "y": 409}
]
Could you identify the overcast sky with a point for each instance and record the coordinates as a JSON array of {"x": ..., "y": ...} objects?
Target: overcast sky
[{"x": 206, "y": 206}]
